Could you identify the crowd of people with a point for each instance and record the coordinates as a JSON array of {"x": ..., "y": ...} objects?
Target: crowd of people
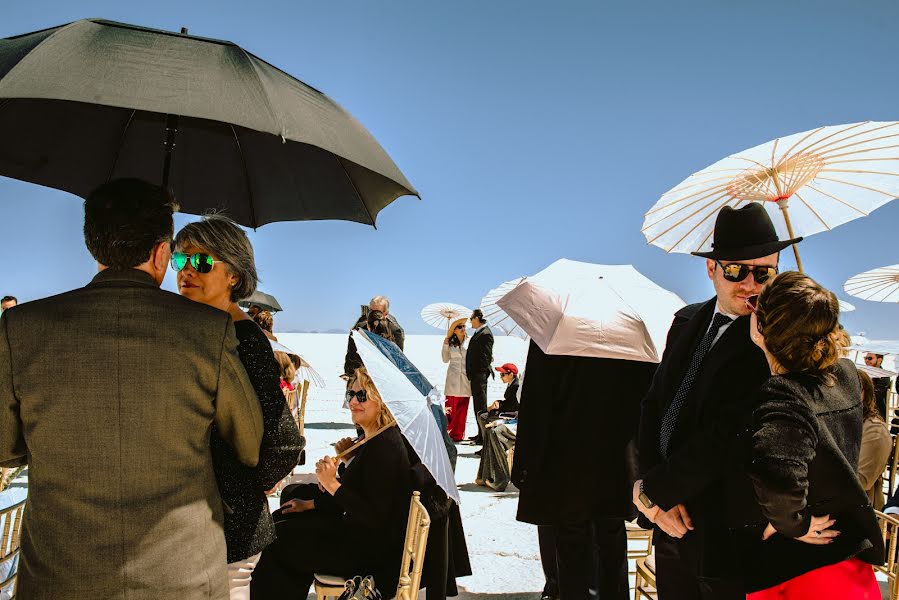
[{"x": 754, "y": 450}]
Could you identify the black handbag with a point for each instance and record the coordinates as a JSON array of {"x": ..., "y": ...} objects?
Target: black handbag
[{"x": 360, "y": 588}]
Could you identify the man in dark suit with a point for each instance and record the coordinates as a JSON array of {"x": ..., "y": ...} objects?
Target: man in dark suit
[
  {"x": 122, "y": 498},
  {"x": 479, "y": 365},
  {"x": 692, "y": 413},
  {"x": 881, "y": 384}
]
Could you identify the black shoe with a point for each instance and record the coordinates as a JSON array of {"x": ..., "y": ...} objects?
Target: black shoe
[
  {"x": 472, "y": 438},
  {"x": 478, "y": 453}
]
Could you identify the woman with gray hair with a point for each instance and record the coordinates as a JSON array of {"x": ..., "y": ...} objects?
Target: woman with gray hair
[{"x": 214, "y": 261}]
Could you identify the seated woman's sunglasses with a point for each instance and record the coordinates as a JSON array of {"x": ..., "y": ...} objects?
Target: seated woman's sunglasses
[
  {"x": 736, "y": 272},
  {"x": 360, "y": 396},
  {"x": 201, "y": 262}
]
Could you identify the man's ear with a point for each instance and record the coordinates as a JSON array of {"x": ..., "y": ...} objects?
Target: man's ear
[
  {"x": 710, "y": 267},
  {"x": 161, "y": 256}
]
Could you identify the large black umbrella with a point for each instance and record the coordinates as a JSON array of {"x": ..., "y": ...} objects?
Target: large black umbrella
[{"x": 95, "y": 100}]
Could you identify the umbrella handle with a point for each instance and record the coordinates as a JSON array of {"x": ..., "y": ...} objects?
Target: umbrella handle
[
  {"x": 363, "y": 441},
  {"x": 783, "y": 208}
]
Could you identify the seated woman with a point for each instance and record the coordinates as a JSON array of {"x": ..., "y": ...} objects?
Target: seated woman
[
  {"x": 499, "y": 435},
  {"x": 803, "y": 525},
  {"x": 876, "y": 444},
  {"x": 354, "y": 521}
]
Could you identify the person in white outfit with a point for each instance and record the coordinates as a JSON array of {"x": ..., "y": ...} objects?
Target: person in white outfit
[{"x": 457, "y": 388}]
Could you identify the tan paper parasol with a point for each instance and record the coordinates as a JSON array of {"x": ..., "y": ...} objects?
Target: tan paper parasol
[
  {"x": 817, "y": 180},
  {"x": 441, "y": 314}
]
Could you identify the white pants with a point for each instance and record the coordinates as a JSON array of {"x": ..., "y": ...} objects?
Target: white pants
[{"x": 239, "y": 575}]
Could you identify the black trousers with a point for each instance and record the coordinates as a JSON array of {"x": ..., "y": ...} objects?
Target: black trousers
[
  {"x": 479, "y": 397},
  {"x": 546, "y": 538},
  {"x": 679, "y": 569},
  {"x": 592, "y": 560}
]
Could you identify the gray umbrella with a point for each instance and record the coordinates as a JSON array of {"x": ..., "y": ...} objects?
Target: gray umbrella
[
  {"x": 95, "y": 100},
  {"x": 262, "y": 300}
]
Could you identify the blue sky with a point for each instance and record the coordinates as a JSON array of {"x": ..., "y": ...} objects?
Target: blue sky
[{"x": 532, "y": 130}]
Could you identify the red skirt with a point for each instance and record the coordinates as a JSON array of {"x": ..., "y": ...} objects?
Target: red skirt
[{"x": 848, "y": 580}]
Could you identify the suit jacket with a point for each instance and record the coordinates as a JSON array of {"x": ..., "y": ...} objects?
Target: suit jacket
[
  {"x": 802, "y": 450},
  {"x": 703, "y": 444},
  {"x": 575, "y": 457},
  {"x": 351, "y": 360},
  {"x": 109, "y": 394},
  {"x": 479, "y": 358}
]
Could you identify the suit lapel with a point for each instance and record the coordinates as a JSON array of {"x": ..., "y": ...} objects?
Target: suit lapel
[{"x": 688, "y": 337}]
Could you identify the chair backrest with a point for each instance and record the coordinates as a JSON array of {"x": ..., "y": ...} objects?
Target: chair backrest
[
  {"x": 11, "y": 528},
  {"x": 894, "y": 463},
  {"x": 889, "y": 528},
  {"x": 301, "y": 412},
  {"x": 413, "y": 550}
]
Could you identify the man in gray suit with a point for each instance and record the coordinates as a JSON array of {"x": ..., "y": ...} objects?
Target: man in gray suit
[{"x": 108, "y": 394}]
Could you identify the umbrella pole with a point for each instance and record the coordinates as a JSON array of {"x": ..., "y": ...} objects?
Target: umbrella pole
[
  {"x": 171, "y": 130},
  {"x": 783, "y": 208},
  {"x": 363, "y": 441}
]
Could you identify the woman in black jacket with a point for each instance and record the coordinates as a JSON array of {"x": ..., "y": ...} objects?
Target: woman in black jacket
[
  {"x": 811, "y": 531},
  {"x": 215, "y": 265},
  {"x": 353, "y": 522}
]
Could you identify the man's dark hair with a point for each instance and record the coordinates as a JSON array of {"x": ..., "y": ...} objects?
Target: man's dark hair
[
  {"x": 6, "y": 299},
  {"x": 479, "y": 314},
  {"x": 125, "y": 219}
]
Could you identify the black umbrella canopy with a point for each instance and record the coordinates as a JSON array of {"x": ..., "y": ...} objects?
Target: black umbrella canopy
[{"x": 95, "y": 100}]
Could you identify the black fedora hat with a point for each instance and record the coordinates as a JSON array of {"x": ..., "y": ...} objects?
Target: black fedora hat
[{"x": 744, "y": 233}]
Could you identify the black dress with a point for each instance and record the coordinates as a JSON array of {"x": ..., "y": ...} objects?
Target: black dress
[
  {"x": 248, "y": 521},
  {"x": 357, "y": 531}
]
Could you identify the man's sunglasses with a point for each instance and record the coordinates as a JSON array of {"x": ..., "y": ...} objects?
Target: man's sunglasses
[
  {"x": 201, "y": 262},
  {"x": 360, "y": 396},
  {"x": 736, "y": 272}
]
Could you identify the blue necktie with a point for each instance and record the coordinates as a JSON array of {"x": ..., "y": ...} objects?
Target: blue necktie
[{"x": 670, "y": 418}]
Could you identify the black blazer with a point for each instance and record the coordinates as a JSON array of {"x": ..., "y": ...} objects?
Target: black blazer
[
  {"x": 801, "y": 459},
  {"x": 509, "y": 403},
  {"x": 703, "y": 445},
  {"x": 479, "y": 358}
]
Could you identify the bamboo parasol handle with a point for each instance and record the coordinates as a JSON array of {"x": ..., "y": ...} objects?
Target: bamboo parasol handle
[
  {"x": 363, "y": 441},
  {"x": 783, "y": 208}
]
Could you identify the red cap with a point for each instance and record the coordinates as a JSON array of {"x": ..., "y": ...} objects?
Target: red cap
[{"x": 508, "y": 368}]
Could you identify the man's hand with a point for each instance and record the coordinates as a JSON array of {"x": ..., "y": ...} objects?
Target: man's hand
[
  {"x": 819, "y": 531},
  {"x": 650, "y": 513},
  {"x": 494, "y": 406},
  {"x": 297, "y": 506},
  {"x": 675, "y": 522}
]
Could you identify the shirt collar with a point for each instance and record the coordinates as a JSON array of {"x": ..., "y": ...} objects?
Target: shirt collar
[{"x": 726, "y": 314}]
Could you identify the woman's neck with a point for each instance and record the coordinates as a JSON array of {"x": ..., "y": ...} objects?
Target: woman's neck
[{"x": 369, "y": 430}]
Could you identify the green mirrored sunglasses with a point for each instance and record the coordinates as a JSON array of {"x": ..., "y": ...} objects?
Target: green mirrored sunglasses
[{"x": 200, "y": 261}]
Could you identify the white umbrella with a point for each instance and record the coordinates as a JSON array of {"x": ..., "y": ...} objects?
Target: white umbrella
[
  {"x": 584, "y": 309},
  {"x": 845, "y": 306},
  {"x": 877, "y": 285},
  {"x": 863, "y": 344},
  {"x": 305, "y": 372},
  {"x": 875, "y": 371},
  {"x": 441, "y": 314},
  {"x": 496, "y": 317},
  {"x": 409, "y": 406},
  {"x": 817, "y": 180}
]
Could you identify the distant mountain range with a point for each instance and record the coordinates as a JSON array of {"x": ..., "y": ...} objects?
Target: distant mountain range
[{"x": 316, "y": 331}]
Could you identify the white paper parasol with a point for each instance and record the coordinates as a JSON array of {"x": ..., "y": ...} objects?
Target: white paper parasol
[
  {"x": 877, "y": 285},
  {"x": 845, "y": 306},
  {"x": 496, "y": 317},
  {"x": 305, "y": 372},
  {"x": 441, "y": 314},
  {"x": 409, "y": 407},
  {"x": 818, "y": 179},
  {"x": 584, "y": 309}
]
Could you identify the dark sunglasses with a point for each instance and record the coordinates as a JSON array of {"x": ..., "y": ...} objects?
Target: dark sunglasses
[
  {"x": 201, "y": 262},
  {"x": 360, "y": 396},
  {"x": 458, "y": 327},
  {"x": 736, "y": 272}
]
